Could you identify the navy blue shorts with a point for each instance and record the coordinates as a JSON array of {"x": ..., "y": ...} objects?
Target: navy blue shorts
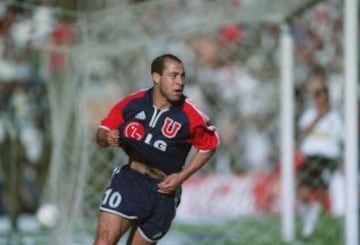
[
  {"x": 316, "y": 171},
  {"x": 134, "y": 196}
]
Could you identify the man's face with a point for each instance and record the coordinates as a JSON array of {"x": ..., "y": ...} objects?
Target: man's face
[
  {"x": 172, "y": 81},
  {"x": 321, "y": 97}
]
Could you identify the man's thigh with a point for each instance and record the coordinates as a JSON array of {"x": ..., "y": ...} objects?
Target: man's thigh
[{"x": 111, "y": 227}]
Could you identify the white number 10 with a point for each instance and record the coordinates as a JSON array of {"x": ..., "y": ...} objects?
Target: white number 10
[{"x": 112, "y": 198}]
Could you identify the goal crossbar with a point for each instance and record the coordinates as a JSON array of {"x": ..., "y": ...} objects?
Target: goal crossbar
[{"x": 162, "y": 19}]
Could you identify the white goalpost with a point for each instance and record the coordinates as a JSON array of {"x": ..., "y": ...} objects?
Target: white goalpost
[
  {"x": 351, "y": 18},
  {"x": 288, "y": 134}
]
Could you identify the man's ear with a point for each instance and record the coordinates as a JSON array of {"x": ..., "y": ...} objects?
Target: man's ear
[{"x": 156, "y": 78}]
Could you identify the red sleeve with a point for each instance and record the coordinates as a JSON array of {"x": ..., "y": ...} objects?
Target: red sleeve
[
  {"x": 115, "y": 117},
  {"x": 203, "y": 135}
]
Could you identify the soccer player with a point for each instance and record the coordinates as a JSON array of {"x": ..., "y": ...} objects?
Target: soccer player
[
  {"x": 321, "y": 130},
  {"x": 156, "y": 128}
]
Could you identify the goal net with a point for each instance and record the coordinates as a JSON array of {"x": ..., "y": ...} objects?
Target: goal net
[{"x": 231, "y": 54}]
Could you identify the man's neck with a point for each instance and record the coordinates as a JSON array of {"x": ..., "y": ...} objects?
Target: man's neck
[{"x": 159, "y": 101}]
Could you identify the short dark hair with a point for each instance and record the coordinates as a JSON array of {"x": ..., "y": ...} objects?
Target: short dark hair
[
  {"x": 319, "y": 71},
  {"x": 158, "y": 64}
]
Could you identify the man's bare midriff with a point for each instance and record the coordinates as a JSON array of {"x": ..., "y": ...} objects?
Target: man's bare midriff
[{"x": 146, "y": 170}]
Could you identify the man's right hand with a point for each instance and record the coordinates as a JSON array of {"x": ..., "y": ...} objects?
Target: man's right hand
[
  {"x": 105, "y": 137},
  {"x": 113, "y": 138}
]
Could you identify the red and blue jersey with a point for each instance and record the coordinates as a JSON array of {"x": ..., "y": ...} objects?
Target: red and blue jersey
[{"x": 160, "y": 138}]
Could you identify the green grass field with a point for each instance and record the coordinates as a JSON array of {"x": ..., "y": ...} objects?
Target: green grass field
[
  {"x": 244, "y": 231},
  {"x": 260, "y": 231}
]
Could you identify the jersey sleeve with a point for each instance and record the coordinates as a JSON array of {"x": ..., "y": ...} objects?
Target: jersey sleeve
[
  {"x": 115, "y": 117},
  {"x": 305, "y": 119},
  {"x": 203, "y": 135}
]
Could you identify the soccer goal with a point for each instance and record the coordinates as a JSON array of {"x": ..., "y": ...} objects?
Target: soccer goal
[{"x": 242, "y": 66}]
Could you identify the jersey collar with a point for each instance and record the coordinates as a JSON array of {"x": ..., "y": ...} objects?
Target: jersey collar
[{"x": 175, "y": 105}]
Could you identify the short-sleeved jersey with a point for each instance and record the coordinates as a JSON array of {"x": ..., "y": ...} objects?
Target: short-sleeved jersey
[
  {"x": 160, "y": 138},
  {"x": 326, "y": 138}
]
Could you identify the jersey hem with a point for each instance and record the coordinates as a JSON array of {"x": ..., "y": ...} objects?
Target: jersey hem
[{"x": 104, "y": 127}]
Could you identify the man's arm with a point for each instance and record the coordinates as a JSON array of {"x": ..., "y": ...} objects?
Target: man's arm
[
  {"x": 307, "y": 130},
  {"x": 105, "y": 137},
  {"x": 173, "y": 181},
  {"x": 199, "y": 159}
]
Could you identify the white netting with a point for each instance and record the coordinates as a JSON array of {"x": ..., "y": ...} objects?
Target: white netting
[{"x": 230, "y": 52}]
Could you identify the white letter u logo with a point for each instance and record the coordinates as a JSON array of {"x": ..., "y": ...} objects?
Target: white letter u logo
[{"x": 170, "y": 128}]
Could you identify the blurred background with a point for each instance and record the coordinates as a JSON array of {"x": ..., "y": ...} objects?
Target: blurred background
[{"x": 64, "y": 63}]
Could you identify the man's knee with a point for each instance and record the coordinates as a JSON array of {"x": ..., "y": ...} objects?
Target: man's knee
[{"x": 103, "y": 240}]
